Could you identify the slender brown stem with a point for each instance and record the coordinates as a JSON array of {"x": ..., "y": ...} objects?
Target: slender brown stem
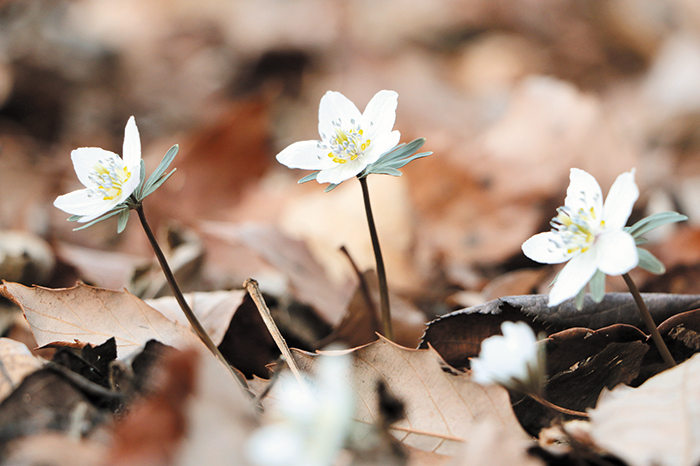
[
  {"x": 649, "y": 322},
  {"x": 253, "y": 290},
  {"x": 191, "y": 317},
  {"x": 381, "y": 272},
  {"x": 557, "y": 408}
]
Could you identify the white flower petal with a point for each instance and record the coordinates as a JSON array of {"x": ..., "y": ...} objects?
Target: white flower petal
[
  {"x": 132, "y": 146},
  {"x": 78, "y": 203},
  {"x": 616, "y": 252},
  {"x": 131, "y": 184},
  {"x": 380, "y": 114},
  {"x": 305, "y": 155},
  {"x": 340, "y": 172},
  {"x": 543, "y": 248},
  {"x": 574, "y": 276},
  {"x": 85, "y": 160},
  {"x": 621, "y": 198},
  {"x": 506, "y": 357},
  {"x": 335, "y": 105},
  {"x": 381, "y": 145},
  {"x": 583, "y": 192},
  {"x": 276, "y": 445}
]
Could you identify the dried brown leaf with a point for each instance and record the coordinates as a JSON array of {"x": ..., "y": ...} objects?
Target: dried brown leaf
[
  {"x": 490, "y": 444},
  {"x": 615, "y": 308},
  {"x": 656, "y": 423},
  {"x": 16, "y": 362},
  {"x": 92, "y": 315},
  {"x": 213, "y": 309},
  {"x": 307, "y": 278},
  {"x": 442, "y": 406}
]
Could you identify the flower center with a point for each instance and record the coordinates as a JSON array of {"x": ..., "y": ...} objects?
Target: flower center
[
  {"x": 576, "y": 231},
  {"x": 108, "y": 177},
  {"x": 346, "y": 144}
]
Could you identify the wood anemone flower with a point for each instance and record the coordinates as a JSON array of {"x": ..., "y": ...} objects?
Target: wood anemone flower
[
  {"x": 350, "y": 140},
  {"x": 109, "y": 180},
  {"x": 590, "y": 235}
]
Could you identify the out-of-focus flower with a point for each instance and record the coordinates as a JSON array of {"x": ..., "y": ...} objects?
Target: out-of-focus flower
[
  {"x": 590, "y": 235},
  {"x": 109, "y": 180},
  {"x": 350, "y": 140},
  {"x": 307, "y": 425},
  {"x": 513, "y": 360}
]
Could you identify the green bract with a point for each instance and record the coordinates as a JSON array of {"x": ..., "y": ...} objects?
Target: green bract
[{"x": 647, "y": 260}]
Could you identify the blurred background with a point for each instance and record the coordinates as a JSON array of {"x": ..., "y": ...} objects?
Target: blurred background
[{"x": 510, "y": 94}]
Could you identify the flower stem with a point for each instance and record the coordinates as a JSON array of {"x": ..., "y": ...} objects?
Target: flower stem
[
  {"x": 191, "y": 317},
  {"x": 649, "y": 322},
  {"x": 381, "y": 272}
]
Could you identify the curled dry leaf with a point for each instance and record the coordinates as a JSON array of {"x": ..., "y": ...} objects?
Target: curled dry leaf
[
  {"x": 654, "y": 424},
  {"x": 16, "y": 361},
  {"x": 92, "y": 315},
  {"x": 213, "y": 309},
  {"x": 442, "y": 407},
  {"x": 457, "y": 336}
]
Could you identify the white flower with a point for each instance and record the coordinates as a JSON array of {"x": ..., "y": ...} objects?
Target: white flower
[
  {"x": 108, "y": 179},
  {"x": 308, "y": 424},
  {"x": 350, "y": 140},
  {"x": 513, "y": 360},
  {"x": 588, "y": 234}
]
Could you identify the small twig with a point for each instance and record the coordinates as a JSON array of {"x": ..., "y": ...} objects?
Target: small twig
[
  {"x": 381, "y": 271},
  {"x": 649, "y": 322},
  {"x": 364, "y": 288},
  {"x": 179, "y": 297},
  {"x": 254, "y": 291},
  {"x": 557, "y": 408}
]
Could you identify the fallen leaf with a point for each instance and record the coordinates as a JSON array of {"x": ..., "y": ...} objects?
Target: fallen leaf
[
  {"x": 92, "y": 315},
  {"x": 491, "y": 444},
  {"x": 25, "y": 258},
  {"x": 57, "y": 450},
  {"x": 682, "y": 334},
  {"x": 155, "y": 426},
  {"x": 307, "y": 278},
  {"x": 654, "y": 424},
  {"x": 57, "y": 405},
  {"x": 442, "y": 407},
  {"x": 220, "y": 419},
  {"x": 16, "y": 361},
  {"x": 615, "y": 308},
  {"x": 457, "y": 336},
  {"x": 214, "y": 310},
  {"x": 570, "y": 346},
  {"x": 516, "y": 282},
  {"x": 218, "y": 162},
  {"x": 361, "y": 323}
]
